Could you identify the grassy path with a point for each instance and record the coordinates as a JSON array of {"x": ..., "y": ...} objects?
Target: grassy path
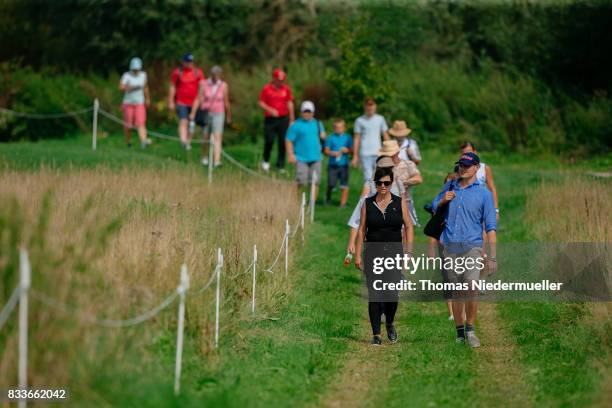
[
  {"x": 365, "y": 370},
  {"x": 500, "y": 372},
  {"x": 314, "y": 350}
]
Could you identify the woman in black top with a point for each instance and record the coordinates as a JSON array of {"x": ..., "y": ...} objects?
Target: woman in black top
[{"x": 382, "y": 217}]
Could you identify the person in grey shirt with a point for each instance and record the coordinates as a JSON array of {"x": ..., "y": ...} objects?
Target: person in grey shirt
[{"x": 368, "y": 130}]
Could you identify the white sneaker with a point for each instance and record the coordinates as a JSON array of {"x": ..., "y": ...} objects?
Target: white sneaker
[
  {"x": 187, "y": 146},
  {"x": 204, "y": 161},
  {"x": 471, "y": 339},
  {"x": 265, "y": 166}
]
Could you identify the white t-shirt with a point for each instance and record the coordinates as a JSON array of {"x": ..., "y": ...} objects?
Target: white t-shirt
[
  {"x": 481, "y": 174},
  {"x": 414, "y": 150},
  {"x": 371, "y": 129},
  {"x": 135, "y": 96}
]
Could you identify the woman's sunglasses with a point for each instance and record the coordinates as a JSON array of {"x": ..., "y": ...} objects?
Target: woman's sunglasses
[{"x": 383, "y": 183}]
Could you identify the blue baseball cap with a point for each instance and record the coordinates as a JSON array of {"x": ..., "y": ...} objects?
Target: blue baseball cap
[
  {"x": 188, "y": 57},
  {"x": 468, "y": 159}
]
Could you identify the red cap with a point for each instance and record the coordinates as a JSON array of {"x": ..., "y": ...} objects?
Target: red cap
[{"x": 279, "y": 74}]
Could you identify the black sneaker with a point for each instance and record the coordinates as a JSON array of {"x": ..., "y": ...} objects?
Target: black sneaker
[
  {"x": 391, "y": 333},
  {"x": 376, "y": 340}
]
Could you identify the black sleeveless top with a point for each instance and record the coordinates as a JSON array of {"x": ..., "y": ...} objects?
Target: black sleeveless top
[{"x": 385, "y": 227}]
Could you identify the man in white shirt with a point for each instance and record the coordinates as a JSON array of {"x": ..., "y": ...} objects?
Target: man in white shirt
[{"x": 368, "y": 130}]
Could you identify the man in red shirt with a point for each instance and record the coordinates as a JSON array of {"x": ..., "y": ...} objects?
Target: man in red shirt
[
  {"x": 276, "y": 100},
  {"x": 184, "y": 85}
]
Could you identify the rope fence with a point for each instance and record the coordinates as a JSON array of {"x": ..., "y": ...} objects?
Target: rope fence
[
  {"x": 164, "y": 136},
  {"x": 109, "y": 323},
  {"x": 23, "y": 291},
  {"x": 10, "y": 305},
  {"x": 97, "y": 110},
  {"x": 42, "y": 116}
]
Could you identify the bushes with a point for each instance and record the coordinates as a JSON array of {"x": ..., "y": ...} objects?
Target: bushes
[
  {"x": 497, "y": 109},
  {"x": 25, "y": 90},
  {"x": 354, "y": 73},
  {"x": 444, "y": 102}
]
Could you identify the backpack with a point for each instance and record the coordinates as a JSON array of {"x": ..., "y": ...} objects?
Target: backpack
[
  {"x": 180, "y": 75},
  {"x": 435, "y": 225}
]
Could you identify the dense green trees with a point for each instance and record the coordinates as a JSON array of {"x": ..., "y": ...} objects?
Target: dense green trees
[{"x": 529, "y": 75}]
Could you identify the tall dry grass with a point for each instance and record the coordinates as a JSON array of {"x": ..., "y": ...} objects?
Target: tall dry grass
[
  {"x": 571, "y": 209},
  {"x": 110, "y": 244}
]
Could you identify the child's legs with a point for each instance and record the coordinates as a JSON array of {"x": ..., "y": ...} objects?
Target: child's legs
[{"x": 332, "y": 179}]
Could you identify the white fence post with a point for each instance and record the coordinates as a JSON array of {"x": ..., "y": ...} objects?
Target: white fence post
[
  {"x": 254, "y": 276},
  {"x": 312, "y": 195},
  {"x": 25, "y": 281},
  {"x": 181, "y": 325},
  {"x": 302, "y": 210},
  {"x": 286, "y": 247},
  {"x": 94, "y": 135},
  {"x": 218, "y": 297},
  {"x": 211, "y": 146}
]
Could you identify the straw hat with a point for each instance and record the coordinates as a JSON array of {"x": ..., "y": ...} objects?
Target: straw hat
[
  {"x": 399, "y": 129},
  {"x": 389, "y": 148},
  {"x": 385, "y": 161}
]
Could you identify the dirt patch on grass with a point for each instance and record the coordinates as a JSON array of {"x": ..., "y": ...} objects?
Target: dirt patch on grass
[
  {"x": 364, "y": 374},
  {"x": 500, "y": 374}
]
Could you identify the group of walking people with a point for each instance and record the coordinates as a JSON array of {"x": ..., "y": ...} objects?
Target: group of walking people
[
  {"x": 385, "y": 214},
  {"x": 468, "y": 204},
  {"x": 388, "y": 157},
  {"x": 196, "y": 100}
]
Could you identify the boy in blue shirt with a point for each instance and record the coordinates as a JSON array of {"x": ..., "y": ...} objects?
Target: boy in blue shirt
[{"x": 337, "y": 147}]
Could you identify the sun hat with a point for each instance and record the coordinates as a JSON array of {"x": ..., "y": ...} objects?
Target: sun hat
[
  {"x": 279, "y": 74},
  {"x": 216, "y": 70},
  {"x": 389, "y": 148},
  {"x": 399, "y": 129},
  {"x": 188, "y": 57},
  {"x": 135, "y": 64},
  {"x": 385, "y": 161},
  {"x": 307, "y": 106},
  {"x": 468, "y": 159}
]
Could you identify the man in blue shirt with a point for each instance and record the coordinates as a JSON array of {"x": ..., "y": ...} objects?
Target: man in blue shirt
[
  {"x": 470, "y": 207},
  {"x": 337, "y": 147},
  {"x": 303, "y": 142}
]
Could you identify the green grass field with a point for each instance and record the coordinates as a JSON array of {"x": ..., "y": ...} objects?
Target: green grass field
[{"x": 553, "y": 354}]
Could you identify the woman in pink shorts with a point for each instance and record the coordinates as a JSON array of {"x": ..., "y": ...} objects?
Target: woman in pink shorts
[{"x": 135, "y": 100}]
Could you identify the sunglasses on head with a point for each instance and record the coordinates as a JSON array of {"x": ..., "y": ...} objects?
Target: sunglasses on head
[{"x": 383, "y": 183}]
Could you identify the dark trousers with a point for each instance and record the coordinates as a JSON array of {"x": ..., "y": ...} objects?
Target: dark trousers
[
  {"x": 275, "y": 129},
  {"x": 376, "y": 310}
]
